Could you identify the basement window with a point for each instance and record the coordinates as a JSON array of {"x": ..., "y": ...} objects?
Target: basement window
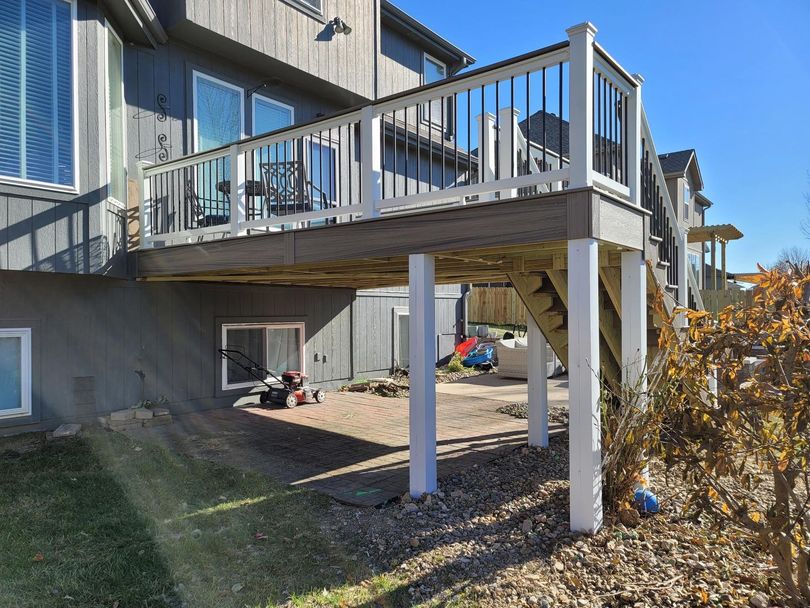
[
  {"x": 313, "y": 5},
  {"x": 15, "y": 372},
  {"x": 277, "y": 347}
]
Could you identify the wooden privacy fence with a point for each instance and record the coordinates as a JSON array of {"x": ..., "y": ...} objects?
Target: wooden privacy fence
[
  {"x": 715, "y": 300},
  {"x": 496, "y": 306}
]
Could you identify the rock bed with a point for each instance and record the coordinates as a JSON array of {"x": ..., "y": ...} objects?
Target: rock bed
[
  {"x": 397, "y": 385},
  {"x": 557, "y": 412},
  {"x": 497, "y": 535}
]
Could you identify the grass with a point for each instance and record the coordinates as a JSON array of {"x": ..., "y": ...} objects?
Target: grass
[{"x": 106, "y": 521}]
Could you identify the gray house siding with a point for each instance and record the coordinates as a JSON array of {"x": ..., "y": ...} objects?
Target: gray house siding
[
  {"x": 285, "y": 34},
  {"x": 374, "y": 339},
  {"x": 90, "y": 335}
]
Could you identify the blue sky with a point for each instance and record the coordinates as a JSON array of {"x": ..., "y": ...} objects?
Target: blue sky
[{"x": 728, "y": 78}]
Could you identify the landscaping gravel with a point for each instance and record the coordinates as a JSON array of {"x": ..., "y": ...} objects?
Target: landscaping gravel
[
  {"x": 497, "y": 535},
  {"x": 557, "y": 412}
]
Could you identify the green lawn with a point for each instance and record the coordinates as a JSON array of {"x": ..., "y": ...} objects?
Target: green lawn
[{"x": 105, "y": 521}]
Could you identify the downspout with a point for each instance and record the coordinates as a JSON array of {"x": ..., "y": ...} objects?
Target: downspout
[{"x": 465, "y": 304}]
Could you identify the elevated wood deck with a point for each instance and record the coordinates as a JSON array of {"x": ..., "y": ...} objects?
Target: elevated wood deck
[{"x": 476, "y": 242}]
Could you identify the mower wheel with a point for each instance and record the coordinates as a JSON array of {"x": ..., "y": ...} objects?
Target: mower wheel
[
  {"x": 291, "y": 400},
  {"x": 263, "y": 397},
  {"x": 320, "y": 396}
]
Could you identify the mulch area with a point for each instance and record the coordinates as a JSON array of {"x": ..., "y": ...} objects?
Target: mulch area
[{"x": 497, "y": 534}]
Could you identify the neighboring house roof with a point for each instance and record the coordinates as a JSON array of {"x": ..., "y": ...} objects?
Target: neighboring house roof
[
  {"x": 678, "y": 163},
  {"x": 700, "y": 199},
  {"x": 445, "y": 50},
  {"x": 138, "y": 21},
  {"x": 554, "y": 128}
]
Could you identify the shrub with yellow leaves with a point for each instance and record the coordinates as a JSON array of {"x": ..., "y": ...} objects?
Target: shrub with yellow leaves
[{"x": 744, "y": 449}]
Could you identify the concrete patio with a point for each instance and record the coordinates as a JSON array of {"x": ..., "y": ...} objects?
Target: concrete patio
[{"x": 354, "y": 447}]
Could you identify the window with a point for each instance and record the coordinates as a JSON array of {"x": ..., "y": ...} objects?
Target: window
[
  {"x": 433, "y": 70},
  {"x": 687, "y": 195},
  {"x": 270, "y": 115},
  {"x": 277, "y": 347},
  {"x": 116, "y": 125},
  {"x": 695, "y": 263},
  {"x": 402, "y": 321},
  {"x": 218, "y": 112},
  {"x": 315, "y": 5},
  {"x": 15, "y": 372},
  {"x": 37, "y": 94}
]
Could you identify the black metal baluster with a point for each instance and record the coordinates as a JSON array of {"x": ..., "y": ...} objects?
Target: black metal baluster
[
  {"x": 394, "y": 125},
  {"x": 497, "y": 131},
  {"x": 382, "y": 154},
  {"x": 430, "y": 145},
  {"x": 441, "y": 142},
  {"x": 455, "y": 138},
  {"x": 528, "y": 125},
  {"x": 407, "y": 163},
  {"x": 544, "y": 120},
  {"x": 513, "y": 135},
  {"x": 560, "y": 101},
  {"x": 481, "y": 147},
  {"x": 596, "y": 109}
]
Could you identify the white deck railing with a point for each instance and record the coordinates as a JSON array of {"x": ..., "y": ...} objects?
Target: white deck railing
[{"x": 563, "y": 116}]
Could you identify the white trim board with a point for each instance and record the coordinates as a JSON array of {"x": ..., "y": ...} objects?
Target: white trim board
[{"x": 24, "y": 333}]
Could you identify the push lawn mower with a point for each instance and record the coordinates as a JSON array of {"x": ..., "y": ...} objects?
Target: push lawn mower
[{"x": 293, "y": 390}]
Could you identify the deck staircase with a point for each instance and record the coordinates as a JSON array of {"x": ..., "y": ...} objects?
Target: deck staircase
[{"x": 545, "y": 294}]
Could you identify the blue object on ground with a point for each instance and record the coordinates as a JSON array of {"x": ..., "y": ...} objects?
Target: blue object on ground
[
  {"x": 646, "y": 501},
  {"x": 482, "y": 354}
]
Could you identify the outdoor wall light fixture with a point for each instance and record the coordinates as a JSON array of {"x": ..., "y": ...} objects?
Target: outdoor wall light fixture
[
  {"x": 341, "y": 27},
  {"x": 272, "y": 82}
]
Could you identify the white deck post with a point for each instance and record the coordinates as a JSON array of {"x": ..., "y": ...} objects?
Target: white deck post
[
  {"x": 634, "y": 141},
  {"x": 486, "y": 151},
  {"x": 580, "y": 104},
  {"x": 371, "y": 160},
  {"x": 634, "y": 329},
  {"x": 238, "y": 179},
  {"x": 145, "y": 208},
  {"x": 683, "y": 276},
  {"x": 507, "y": 149},
  {"x": 422, "y": 374},
  {"x": 584, "y": 426},
  {"x": 538, "y": 385}
]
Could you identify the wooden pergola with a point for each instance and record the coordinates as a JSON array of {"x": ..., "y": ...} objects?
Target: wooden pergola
[{"x": 722, "y": 233}]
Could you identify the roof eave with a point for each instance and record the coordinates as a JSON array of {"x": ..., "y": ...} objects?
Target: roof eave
[
  {"x": 138, "y": 20},
  {"x": 402, "y": 20}
]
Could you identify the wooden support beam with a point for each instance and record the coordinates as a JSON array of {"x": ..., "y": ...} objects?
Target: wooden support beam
[{"x": 611, "y": 281}]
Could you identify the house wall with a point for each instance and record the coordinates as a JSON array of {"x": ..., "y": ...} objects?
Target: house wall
[
  {"x": 279, "y": 33},
  {"x": 376, "y": 335},
  {"x": 91, "y": 333}
]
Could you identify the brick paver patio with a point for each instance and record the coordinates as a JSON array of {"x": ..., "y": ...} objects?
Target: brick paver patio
[{"x": 353, "y": 447}]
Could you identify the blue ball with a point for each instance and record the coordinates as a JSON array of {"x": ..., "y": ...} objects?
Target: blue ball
[{"x": 646, "y": 501}]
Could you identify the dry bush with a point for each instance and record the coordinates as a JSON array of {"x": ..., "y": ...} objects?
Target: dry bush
[{"x": 744, "y": 451}]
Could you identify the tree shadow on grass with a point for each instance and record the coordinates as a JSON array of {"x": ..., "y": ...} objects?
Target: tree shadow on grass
[{"x": 72, "y": 537}]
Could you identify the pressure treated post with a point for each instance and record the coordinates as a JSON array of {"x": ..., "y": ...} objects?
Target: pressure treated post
[
  {"x": 238, "y": 179},
  {"x": 584, "y": 426},
  {"x": 371, "y": 161},
  {"x": 422, "y": 374},
  {"x": 538, "y": 384}
]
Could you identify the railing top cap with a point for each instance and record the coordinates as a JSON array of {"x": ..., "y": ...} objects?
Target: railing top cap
[{"x": 584, "y": 27}]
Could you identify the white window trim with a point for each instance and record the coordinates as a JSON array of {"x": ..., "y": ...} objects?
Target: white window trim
[
  {"x": 226, "y": 326},
  {"x": 24, "y": 333},
  {"x": 271, "y": 101},
  {"x": 110, "y": 198},
  {"x": 424, "y": 114},
  {"x": 74, "y": 78},
  {"x": 306, "y": 5},
  {"x": 399, "y": 311},
  {"x": 194, "y": 127}
]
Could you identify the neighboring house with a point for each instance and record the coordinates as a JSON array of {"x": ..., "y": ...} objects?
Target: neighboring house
[{"x": 91, "y": 88}]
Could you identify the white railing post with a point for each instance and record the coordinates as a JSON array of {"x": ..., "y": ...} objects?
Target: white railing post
[
  {"x": 371, "y": 161},
  {"x": 580, "y": 104},
  {"x": 507, "y": 148},
  {"x": 634, "y": 141},
  {"x": 145, "y": 207},
  {"x": 237, "y": 190},
  {"x": 683, "y": 272},
  {"x": 486, "y": 151}
]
